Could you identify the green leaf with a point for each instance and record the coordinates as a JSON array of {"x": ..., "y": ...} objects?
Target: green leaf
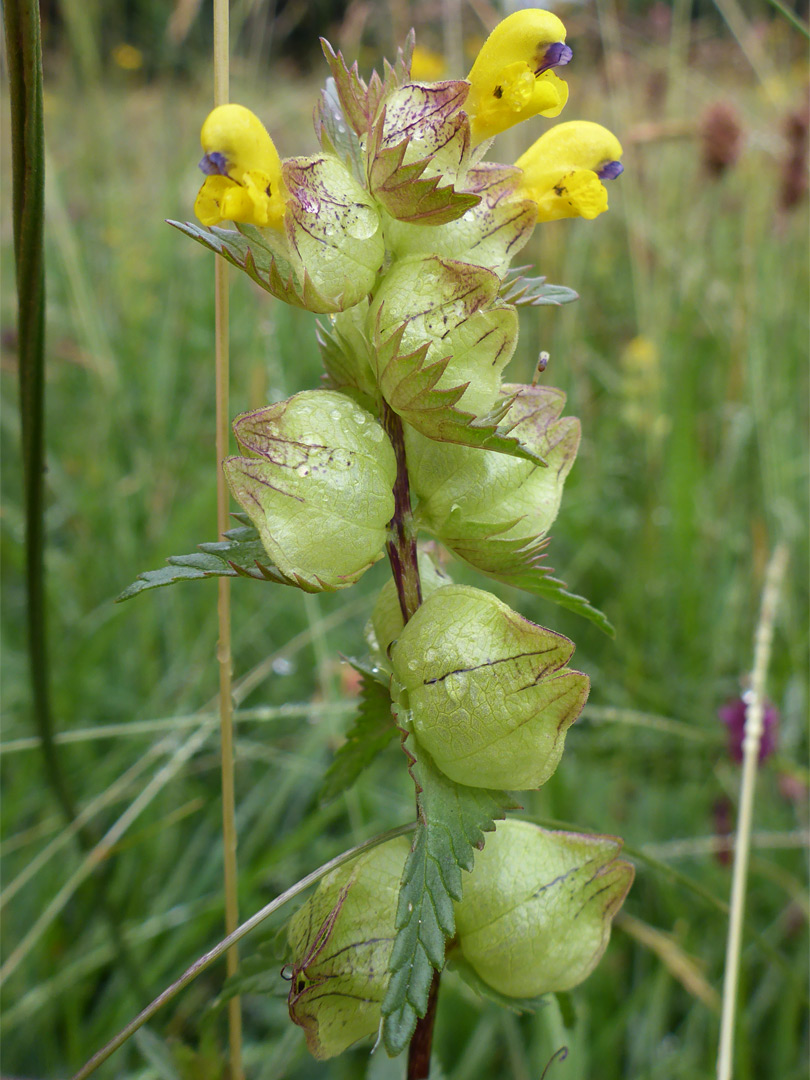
[
  {"x": 370, "y": 733},
  {"x": 345, "y": 351},
  {"x": 359, "y": 100},
  {"x": 241, "y": 554},
  {"x": 335, "y": 134},
  {"x": 451, "y": 824},
  {"x": 519, "y": 562},
  {"x": 457, "y": 963},
  {"x": 523, "y": 291},
  {"x": 248, "y": 251}
]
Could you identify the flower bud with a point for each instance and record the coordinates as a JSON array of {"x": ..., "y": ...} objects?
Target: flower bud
[
  {"x": 341, "y": 941},
  {"x": 563, "y": 171},
  {"x": 243, "y": 171},
  {"x": 536, "y": 911},
  {"x": 489, "y": 694},
  {"x": 318, "y": 486},
  {"x": 511, "y": 79}
]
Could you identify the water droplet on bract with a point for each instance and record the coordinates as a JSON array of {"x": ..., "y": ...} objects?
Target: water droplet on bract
[
  {"x": 468, "y": 216},
  {"x": 363, "y": 223},
  {"x": 359, "y": 418},
  {"x": 303, "y": 470},
  {"x": 336, "y": 414},
  {"x": 329, "y": 229},
  {"x": 413, "y": 665},
  {"x": 341, "y": 128},
  {"x": 410, "y": 906},
  {"x": 376, "y": 433}
]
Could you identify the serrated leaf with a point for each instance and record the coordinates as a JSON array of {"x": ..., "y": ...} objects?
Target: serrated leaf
[
  {"x": 429, "y": 118},
  {"x": 243, "y": 250},
  {"x": 345, "y": 353},
  {"x": 535, "y": 292},
  {"x": 457, "y": 963},
  {"x": 240, "y": 555},
  {"x": 452, "y": 820},
  {"x": 489, "y": 234},
  {"x": 409, "y": 385},
  {"x": 402, "y": 146},
  {"x": 370, "y": 733},
  {"x": 359, "y": 100},
  {"x": 335, "y": 134},
  {"x": 519, "y": 562}
]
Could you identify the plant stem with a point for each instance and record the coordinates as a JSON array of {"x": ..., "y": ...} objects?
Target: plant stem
[
  {"x": 751, "y": 741},
  {"x": 422, "y": 1040},
  {"x": 24, "y": 57},
  {"x": 402, "y": 541},
  {"x": 402, "y": 554},
  {"x": 221, "y": 96},
  {"x": 207, "y": 959}
]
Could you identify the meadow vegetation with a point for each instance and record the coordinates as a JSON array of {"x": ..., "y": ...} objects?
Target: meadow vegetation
[{"x": 685, "y": 358}]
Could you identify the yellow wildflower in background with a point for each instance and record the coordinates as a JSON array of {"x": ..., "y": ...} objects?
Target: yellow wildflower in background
[
  {"x": 563, "y": 171},
  {"x": 127, "y": 57},
  {"x": 243, "y": 181},
  {"x": 511, "y": 79},
  {"x": 426, "y": 65}
]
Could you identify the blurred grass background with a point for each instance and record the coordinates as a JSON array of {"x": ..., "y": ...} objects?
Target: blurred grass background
[{"x": 686, "y": 360}]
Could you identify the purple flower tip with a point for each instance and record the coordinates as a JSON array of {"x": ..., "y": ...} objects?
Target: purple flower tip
[
  {"x": 558, "y": 54},
  {"x": 733, "y": 716},
  {"x": 214, "y": 164},
  {"x": 610, "y": 170}
]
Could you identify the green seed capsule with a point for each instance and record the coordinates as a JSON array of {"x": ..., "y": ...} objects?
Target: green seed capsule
[
  {"x": 341, "y": 941},
  {"x": 317, "y": 484},
  {"x": 537, "y": 908},
  {"x": 489, "y": 694}
]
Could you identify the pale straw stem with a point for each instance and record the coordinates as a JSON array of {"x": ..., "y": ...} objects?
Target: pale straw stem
[
  {"x": 755, "y": 701},
  {"x": 221, "y": 97}
]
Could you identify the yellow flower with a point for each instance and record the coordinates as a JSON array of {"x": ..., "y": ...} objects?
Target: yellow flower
[
  {"x": 511, "y": 79},
  {"x": 243, "y": 181},
  {"x": 426, "y": 65},
  {"x": 563, "y": 171}
]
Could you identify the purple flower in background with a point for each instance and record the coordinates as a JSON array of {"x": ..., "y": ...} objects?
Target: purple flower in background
[{"x": 733, "y": 716}]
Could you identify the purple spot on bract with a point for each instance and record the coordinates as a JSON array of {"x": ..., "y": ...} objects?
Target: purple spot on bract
[
  {"x": 610, "y": 170},
  {"x": 214, "y": 164},
  {"x": 558, "y": 54}
]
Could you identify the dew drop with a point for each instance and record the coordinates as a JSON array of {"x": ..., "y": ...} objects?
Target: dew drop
[
  {"x": 359, "y": 418},
  {"x": 303, "y": 470},
  {"x": 335, "y": 414},
  {"x": 468, "y": 216},
  {"x": 363, "y": 223}
]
